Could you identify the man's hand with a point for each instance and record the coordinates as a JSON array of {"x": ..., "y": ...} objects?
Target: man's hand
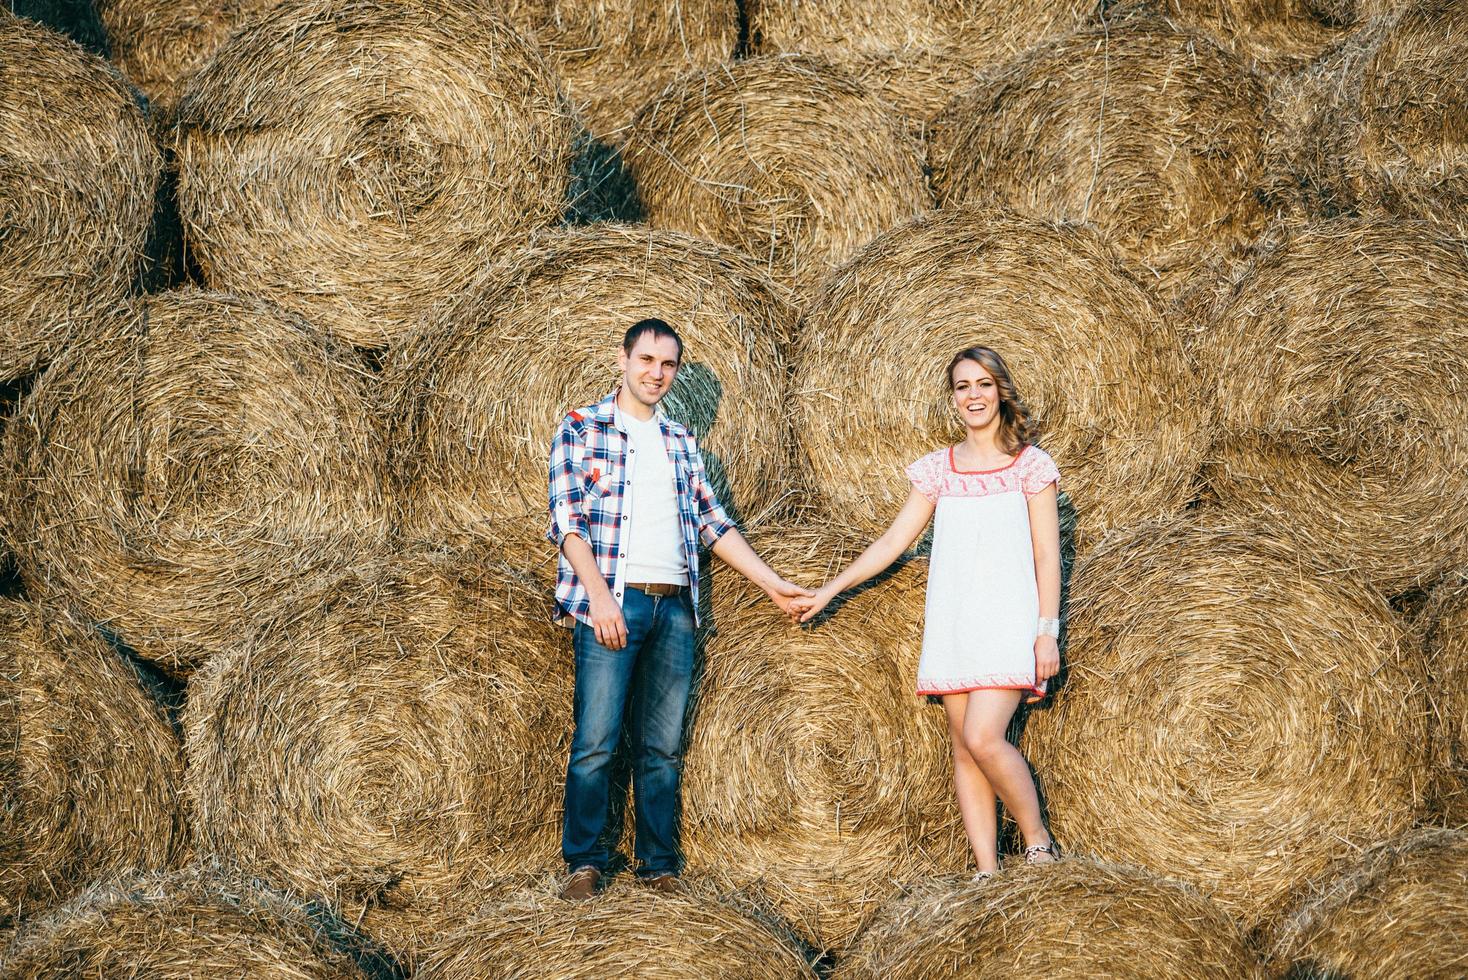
[
  {"x": 607, "y": 622},
  {"x": 782, "y": 593},
  {"x": 1047, "y": 657},
  {"x": 805, "y": 609}
]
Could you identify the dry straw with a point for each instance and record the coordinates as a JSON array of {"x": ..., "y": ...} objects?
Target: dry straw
[
  {"x": 785, "y": 158},
  {"x": 177, "y": 472},
  {"x": 1377, "y": 124},
  {"x": 89, "y": 767},
  {"x": 1092, "y": 358},
  {"x": 1398, "y": 910},
  {"x": 356, "y": 183},
  {"x": 392, "y": 739},
  {"x": 1445, "y": 618},
  {"x": 626, "y": 931},
  {"x": 200, "y": 923},
  {"x": 477, "y": 395},
  {"x": 814, "y": 774},
  {"x": 1335, "y": 362},
  {"x": 1271, "y": 35},
  {"x": 1231, "y": 716},
  {"x": 76, "y": 191},
  {"x": 1073, "y": 919},
  {"x": 1152, "y": 133}
]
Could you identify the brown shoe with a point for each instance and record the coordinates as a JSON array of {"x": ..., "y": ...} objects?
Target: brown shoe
[
  {"x": 666, "y": 883},
  {"x": 581, "y": 885}
]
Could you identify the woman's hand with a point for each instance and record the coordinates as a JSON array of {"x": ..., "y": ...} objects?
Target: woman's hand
[
  {"x": 804, "y": 609},
  {"x": 1047, "y": 657}
]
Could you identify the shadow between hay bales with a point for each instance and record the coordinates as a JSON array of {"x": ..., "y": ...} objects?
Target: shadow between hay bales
[
  {"x": 169, "y": 692},
  {"x": 602, "y": 188},
  {"x": 168, "y": 263},
  {"x": 77, "y": 19}
]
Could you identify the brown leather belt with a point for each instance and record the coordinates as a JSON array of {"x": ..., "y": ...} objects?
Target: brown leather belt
[{"x": 661, "y": 589}]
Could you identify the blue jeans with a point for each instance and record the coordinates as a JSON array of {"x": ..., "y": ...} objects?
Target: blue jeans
[{"x": 647, "y": 681}]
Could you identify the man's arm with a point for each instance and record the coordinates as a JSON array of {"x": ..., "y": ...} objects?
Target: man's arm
[
  {"x": 735, "y": 551},
  {"x": 606, "y": 615},
  {"x": 571, "y": 533}
]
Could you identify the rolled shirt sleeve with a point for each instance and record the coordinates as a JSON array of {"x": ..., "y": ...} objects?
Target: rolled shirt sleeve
[{"x": 566, "y": 491}]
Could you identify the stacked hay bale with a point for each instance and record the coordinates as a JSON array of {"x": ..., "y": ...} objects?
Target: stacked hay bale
[
  {"x": 179, "y": 473},
  {"x": 1232, "y": 716},
  {"x": 356, "y": 183},
  {"x": 477, "y": 395},
  {"x": 90, "y": 767},
  {"x": 1078, "y": 918},
  {"x": 201, "y": 923},
  {"x": 785, "y": 158},
  {"x": 1337, "y": 363},
  {"x": 626, "y": 932},
  {"x": 814, "y": 774},
  {"x": 919, "y": 54},
  {"x": 389, "y": 743},
  {"x": 76, "y": 191},
  {"x": 1099, "y": 368},
  {"x": 1375, "y": 125},
  {"x": 1273, "y": 35},
  {"x": 1445, "y": 636},
  {"x": 1398, "y": 910},
  {"x": 1152, "y": 133}
]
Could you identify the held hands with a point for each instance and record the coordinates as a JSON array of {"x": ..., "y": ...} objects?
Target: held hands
[
  {"x": 805, "y": 609},
  {"x": 784, "y": 594},
  {"x": 1047, "y": 657}
]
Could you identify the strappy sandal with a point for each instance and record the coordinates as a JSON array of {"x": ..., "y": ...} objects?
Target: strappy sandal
[
  {"x": 981, "y": 876},
  {"x": 1033, "y": 852}
]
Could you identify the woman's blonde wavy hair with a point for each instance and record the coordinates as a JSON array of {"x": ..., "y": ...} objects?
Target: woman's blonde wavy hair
[{"x": 1016, "y": 429}]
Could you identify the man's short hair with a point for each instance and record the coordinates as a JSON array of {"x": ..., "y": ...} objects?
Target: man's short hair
[{"x": 658, "y": 329}]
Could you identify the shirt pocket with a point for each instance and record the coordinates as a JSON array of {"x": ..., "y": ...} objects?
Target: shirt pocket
[{"x": 597, "y": 481}]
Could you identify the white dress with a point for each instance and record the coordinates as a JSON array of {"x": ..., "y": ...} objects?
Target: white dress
[{"x": 982, "y": 603}]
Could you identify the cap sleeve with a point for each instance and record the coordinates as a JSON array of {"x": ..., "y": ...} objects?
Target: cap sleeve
[
  {"x": 1037, "y": 471},
  {"x": 926, "y": 477}
]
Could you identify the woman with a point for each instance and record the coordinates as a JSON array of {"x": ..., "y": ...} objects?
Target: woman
[{"x": 993, "y": 601}]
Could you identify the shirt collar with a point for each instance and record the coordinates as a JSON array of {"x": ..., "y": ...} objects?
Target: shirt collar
[{"x": 607, "y": 412}]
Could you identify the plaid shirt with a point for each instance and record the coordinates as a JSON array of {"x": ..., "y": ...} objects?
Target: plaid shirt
[{"x": 590, "y": 496}]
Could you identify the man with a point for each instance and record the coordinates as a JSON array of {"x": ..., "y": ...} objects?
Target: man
[{"x": 629, "y": 503}]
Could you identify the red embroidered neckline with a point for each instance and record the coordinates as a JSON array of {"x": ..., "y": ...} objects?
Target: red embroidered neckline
[{"x": 953, "y": 465}]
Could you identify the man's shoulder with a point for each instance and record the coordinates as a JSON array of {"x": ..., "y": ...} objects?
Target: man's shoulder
[
  {"x": 678, "y": 430},
  {"x": 579, "y": 418}
]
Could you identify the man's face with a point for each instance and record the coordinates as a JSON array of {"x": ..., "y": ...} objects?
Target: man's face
[{"x": 647, "y": 372}]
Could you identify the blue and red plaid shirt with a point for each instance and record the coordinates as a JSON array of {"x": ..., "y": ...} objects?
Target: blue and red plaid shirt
[{"x": 589, "y": 487}]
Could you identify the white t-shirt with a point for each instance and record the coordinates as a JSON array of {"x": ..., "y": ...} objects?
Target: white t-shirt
[{"x": 654, "y": 537}]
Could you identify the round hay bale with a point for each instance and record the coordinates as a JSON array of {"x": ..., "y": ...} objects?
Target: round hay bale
[
  {"x": 1152, "y": 133},
  {"x": 1232, "y": 716},
  {"x": 626, "y": 932},
  {"x": 178, "y": 472},
  {"x": 1376, "y": 125},
  {"x": 1099, "y": 368},
  {"x": 917, "y": 82},
  {"x": 90, "y": 767},
  {"x": 1270, "y": 35},
  {"x": 1398, "y": 910},
  {"x": 477, "y": 395},
  {"x": 1445, "y": 647},
  {"x": 357, "y": 183},
  {"x": 1343, "y": 401},
  {"x": 1074, "y": 919},
  {"x": 76, "y": 191},
  {"x": 401, "y": 733},
  {"x": 785, "y": 158},
  {"x": 814, "y": 774},
  {"x": 196, "y": 924},
  {"x": 159, "y": 44}
]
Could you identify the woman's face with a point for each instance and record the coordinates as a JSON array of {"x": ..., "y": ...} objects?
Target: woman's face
[{"x": 975, "y": 395}]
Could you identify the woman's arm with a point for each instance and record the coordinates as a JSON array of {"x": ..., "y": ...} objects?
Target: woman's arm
[
  {"x": 1045, "y": 540},
  {"x": 906, "y": 528}
]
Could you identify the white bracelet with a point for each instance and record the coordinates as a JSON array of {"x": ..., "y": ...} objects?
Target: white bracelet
[{"x": 1049, "y": 627}]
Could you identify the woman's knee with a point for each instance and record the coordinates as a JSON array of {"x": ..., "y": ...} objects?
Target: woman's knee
[{"x": 984, "y": 746}]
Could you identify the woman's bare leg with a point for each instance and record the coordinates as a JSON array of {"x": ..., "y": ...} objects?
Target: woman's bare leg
[
  {"x": 985, "y": 721},
  {"x": 975, "y": 796}
]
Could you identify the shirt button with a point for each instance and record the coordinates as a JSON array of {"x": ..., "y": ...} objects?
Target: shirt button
[{"x": 622, "y": 555}]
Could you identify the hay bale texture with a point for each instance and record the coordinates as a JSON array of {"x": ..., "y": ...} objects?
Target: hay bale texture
[
  {"x": 1445, "y": 645},
  {"x": 76, "y": 191},
  {"x": 784, "y": 158},
  {"x": 177, "y": 473},
  {"x": 89, "y": 768},
  {"x": 1398, "y": 910},
  {"x": 1337, "y": 362},
  {"x": 398, "y": 736},
  {"x": 477, "y": 395},
  {"x": 1270, "y": 35},
  {"x": 814, "y": 774},
  {"x": 1075, "y": 919},
  {"x": 358, "y": 160},
  {"x": 1232, "y": 716},
  {"x": 1150, "y": 132},
  {"x": 1096, "y": 364},
  {"x": 1376, "y": 126},
  {"x": 626, "y": 932},
  {"x": 199, "y": 923}
]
